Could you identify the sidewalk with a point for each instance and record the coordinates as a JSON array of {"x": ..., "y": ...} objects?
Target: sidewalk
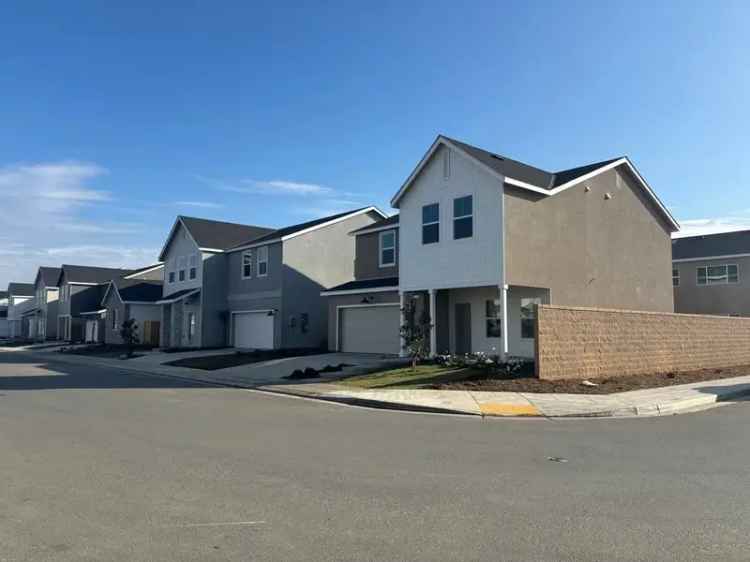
[{"x": 268, "y": 377}]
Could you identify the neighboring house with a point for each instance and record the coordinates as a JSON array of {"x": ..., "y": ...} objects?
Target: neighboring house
[
  {"x": 4, "y": 329},
  {"x": 43, "y": 318},
  {"x": 363, "y": 314},
  {"x": 129, "y": 298},
  {"x": 483, "y": 239},
  {"x": 81, "y": 289},
  {"x": 711, "y": 274},
  {"x": 18, "y": 294},
  {"x": 275, "y": 281}
]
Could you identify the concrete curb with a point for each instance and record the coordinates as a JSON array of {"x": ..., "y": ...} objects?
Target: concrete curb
[{"x": 684, "y": 405}]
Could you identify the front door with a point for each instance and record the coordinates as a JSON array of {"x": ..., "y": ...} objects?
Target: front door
[{"x": 463, "y": 328}]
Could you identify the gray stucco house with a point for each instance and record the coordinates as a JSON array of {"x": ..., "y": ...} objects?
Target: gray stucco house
[
  {"x": 126, "y": 298},
  {"x": 20, "y": 298},
  {"x": 254, "y": 287},
  {"x": 42, "y": 318},
  {"x": 710, "y": 274},
  {"x": 482, "y": 239}
]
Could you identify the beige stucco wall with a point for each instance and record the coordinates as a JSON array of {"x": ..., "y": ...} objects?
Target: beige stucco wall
[
  {"x": 730, "y": 298},
  {"x": 590, "y": 250},
  {"x": 590, "y": 343}
]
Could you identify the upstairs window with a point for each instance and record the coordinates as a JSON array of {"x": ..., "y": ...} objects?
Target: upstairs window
[
  {"x": 263, "y": 261},
  {"x": 718, "y": 274},
  {"x": 247, "y": 264},
  {"x": 675, "y": 277},
  {"x": 387, "y": 248},
  {"x": 182, "y": 264},
  {"x": 431, "y": 223},
  {"x": 193, "y": 266},
  {"x": 463, "y": 217},
  {"x": 171, "y": 276}
]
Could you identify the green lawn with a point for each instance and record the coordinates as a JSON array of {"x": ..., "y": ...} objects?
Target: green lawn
[{"x": 407, "y": 377}]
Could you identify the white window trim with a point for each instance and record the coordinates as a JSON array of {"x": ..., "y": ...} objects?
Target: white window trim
[
  {"x": 243, "y": 264},
  {"x": 381, "y": 263},
  {"x": 437, "y": 222},
  {"x": 262, "y": 250},
  {"x": 727, "y": 282},
  {"x": 471, "y": 215}
]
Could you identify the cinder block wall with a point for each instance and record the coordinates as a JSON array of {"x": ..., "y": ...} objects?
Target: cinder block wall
[{"x": 576, "y": 342}]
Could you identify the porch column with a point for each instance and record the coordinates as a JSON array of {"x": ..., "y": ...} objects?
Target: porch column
[
  {"x": 504, "y": 304},
  {"x": 402, "y": 321},
  {"x": 433, "y": 322}
]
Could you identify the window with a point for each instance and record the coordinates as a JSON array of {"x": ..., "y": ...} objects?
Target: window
[
  {"x": 494, "y": 326},
  {"x": 463, "y": 217},
  {"x": 182, "y": 264},
  {"x": 431, "y": 223},
  {"x": 171, "y": 276},
  {"x": 718, "y": 274},
  {"x": 193, "y": 266},
  {"x": 528, "y": 317},
  {"x": 191, "y": 325},
  {"x": 247, "y": 264},
  {"x": 114, "y": 319},
  {"x": 675, "y": 277},
  {"x": 387, "y": 248},
  {"x": 263, "y": 261}
]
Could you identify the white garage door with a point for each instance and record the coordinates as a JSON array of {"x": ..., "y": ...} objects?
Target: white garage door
[
  {"x": 253, "y": 330},
  {"x": 370, "y": 329}
]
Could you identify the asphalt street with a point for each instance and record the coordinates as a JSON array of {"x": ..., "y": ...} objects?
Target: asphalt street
[{"x": 97, "y": 464}]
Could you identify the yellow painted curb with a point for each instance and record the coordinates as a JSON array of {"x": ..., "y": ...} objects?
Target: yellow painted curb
[{"x": 498, "y": 409}]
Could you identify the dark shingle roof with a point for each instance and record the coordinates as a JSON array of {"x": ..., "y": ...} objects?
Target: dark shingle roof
[
  {"x": 721, "y": 244},
  {"x": 21, "y": 289},
  {"x": 367, "y": 284},
  {"x": 179, "y": 294},
  {"x": 146, "y": 268},
  {"x": 221, "y": 235},
  {"x": 288, "y": 230},
  {"x": 3, "y": 295},
  {"x": 390, "y": 221},
  {"x": 525, "y": 173},
  {"x": 139, "y": 290},
  {"x": 90, "y": 274},
  {"x": 49, "y": 275}
]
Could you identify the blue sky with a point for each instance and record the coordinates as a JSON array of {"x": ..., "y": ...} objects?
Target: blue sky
[{"x": 116, "y": 117}]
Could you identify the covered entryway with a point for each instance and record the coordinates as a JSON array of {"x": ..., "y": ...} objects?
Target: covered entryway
[
  {"x": 253, "y": 330},
  {"x": 369, "y": 329}
]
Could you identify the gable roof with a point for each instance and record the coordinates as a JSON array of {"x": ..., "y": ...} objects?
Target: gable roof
[
  {"x": 135, "y": 290},
  {"x": 90, "y": 274},
  {"x": 21, "y": 289},
  {"x": 213, "y": 236},
  {"x": 142, "y": 270},
  {"x": 722, "y": 244},
  {"x": 48, "y": 276},
  {"x": 385, "y": 224},
  {"x": 523, "y": 176},
  {"x": 301, "y": 228}
]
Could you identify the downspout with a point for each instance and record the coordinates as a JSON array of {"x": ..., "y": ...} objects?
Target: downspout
[{"x": 503, "y": 284}]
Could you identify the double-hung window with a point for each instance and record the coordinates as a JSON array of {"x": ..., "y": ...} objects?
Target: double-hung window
[
  {"x": 675, "y": 277},
  {"x": 182, "y": 265},
  {"x": 463, "y": 217},
  {"x": 193, "y": 266},
  {"x": 262, "y": 261},
  {"x": 493, "y": 321},
  {"x": 528, "y": 316},
  {"x": 387, "y": 248},
  {"x": 431, "y": 223},
  {"x": 171, "y": 276},
  {"x": 247, "y": 264},
  {"x": 718, "y": 274}
]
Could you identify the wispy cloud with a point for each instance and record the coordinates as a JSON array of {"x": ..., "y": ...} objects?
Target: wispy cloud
[
  {"x": 713, "y": 225},
  {"x": 268, "y": 187},
  {"x": 199, "y": 204}
]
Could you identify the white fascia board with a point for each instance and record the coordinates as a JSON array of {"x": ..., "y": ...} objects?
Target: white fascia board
[
  {"x": 83, "y": 284},
  {"x": 186, "y": 295},
  {"x": 708, "y": 258},
  {"x": 143, "y": 271},
  {"x": 104, "y": 298},
  {"x": 177, "y": 222},
  {"x": 211, "y": 250},
  {"x": 440, "y": 140},
  {"x": 389, "y": 289},
  {"x": 93, "y": 312}
]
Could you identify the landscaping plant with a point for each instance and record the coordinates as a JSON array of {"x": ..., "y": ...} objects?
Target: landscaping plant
[
  {"x": 415, "y": 333},
  {"x": 129, "y": 335}
]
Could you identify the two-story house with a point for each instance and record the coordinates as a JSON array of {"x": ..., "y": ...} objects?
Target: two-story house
[
  {"x": 364, "y": 314},
  {"x": 18, "y": 294},
  {"x": 81, "y": 288},
  {"x": 275, "y": 281},
  {"x": 483, "y": 239},
  {"x": 711, "y": 273},
  {"x": 43, "y": 320}
]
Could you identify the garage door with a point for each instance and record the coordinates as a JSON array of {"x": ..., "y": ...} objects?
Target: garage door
[
  {"x": 253, "y": 330},
  {"x": 370, "y": 329}
]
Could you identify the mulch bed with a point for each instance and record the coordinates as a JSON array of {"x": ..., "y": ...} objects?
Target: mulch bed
[
  {"x": 215, "y": 362},
  {"x": 480, "y": 382}
]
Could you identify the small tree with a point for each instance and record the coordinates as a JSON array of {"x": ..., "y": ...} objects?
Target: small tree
[
  {"x": 129, "y": 334},
  {"x": 416, "y": 333}
]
